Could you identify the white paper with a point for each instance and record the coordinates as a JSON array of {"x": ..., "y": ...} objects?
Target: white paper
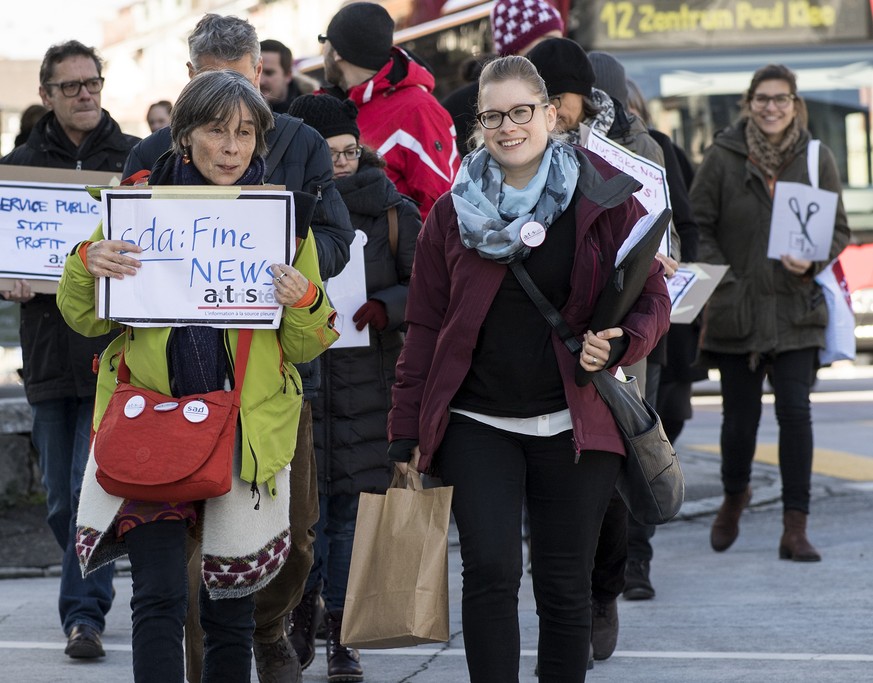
[
  {"x": 640, "y": 230},
  {"x": 655, "y": 194},
  {"x": 347, "y": 293},
  {"x": 39, "y": 224},
  {"x": 802, "y": 223},
  {"x": 205, "y": 261},
  {"x": 680, "y": 284}
]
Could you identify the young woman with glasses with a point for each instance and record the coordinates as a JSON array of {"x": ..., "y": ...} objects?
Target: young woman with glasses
[
  {"x": 766, "y": 317},
  {"x": 486, "y": 395}
]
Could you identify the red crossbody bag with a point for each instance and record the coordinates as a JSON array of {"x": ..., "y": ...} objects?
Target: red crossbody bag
[{"x": 159, "y": 448}]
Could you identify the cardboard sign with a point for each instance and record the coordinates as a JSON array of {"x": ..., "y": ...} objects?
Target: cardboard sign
[
  {"x": 802, "y": 224},
  {"x": 655, "y": 194},
  {"x": 206, "y": 256},
  {"x": 347, "y": 293},
  {"x": 44, "y": 213}
]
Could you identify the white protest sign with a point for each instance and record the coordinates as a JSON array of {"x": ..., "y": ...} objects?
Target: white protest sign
[
  {"x": 39, "y": 225},
  {"x": 802, "y": 224},
  {"x": 205, "y": 260},
  {"x": 654, "y": 195},
  {"x": 347, "y": 293}
]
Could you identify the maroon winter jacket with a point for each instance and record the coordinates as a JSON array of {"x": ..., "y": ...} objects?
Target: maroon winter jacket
[{"x": 452, "y": 288}]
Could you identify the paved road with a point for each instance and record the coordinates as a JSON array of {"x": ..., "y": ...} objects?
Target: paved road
[{"x": 743, "y": 615}]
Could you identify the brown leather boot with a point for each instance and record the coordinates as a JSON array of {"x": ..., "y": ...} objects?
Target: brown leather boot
[
  {"x": 794, "y": 545},
  {"x": 726, "y": 526},
  {"x": 343, "y": 663}
]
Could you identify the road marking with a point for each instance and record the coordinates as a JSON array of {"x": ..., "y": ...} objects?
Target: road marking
[
  {"x": 458, "y": 652},
  {"x": 814, "y": 397},
  {"x": 830, "y": 463}
]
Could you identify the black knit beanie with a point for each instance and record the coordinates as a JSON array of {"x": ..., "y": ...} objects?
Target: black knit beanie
[
  {"x": 362, "y": 33},
  {"x": 329, "y": 115},
  {"x": 563, "y": 65},
  {"x": 610, "y": 74}
]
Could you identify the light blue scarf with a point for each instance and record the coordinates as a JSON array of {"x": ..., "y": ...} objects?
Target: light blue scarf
[{"x": 491, "y": 214}]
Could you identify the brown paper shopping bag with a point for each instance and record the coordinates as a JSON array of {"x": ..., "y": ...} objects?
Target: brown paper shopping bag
[{"x": 398, "y": 592}]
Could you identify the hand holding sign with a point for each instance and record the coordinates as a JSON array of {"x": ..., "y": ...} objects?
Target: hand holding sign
[
  {"x": 106, "y": 258},
  {"x": 290, "y": 284}
]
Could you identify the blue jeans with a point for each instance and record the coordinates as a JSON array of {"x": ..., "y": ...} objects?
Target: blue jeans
[
  {"x": 61, "y": 435},
  {"x": 334, "y": 536},
  {"x": 158, "y": 564}
]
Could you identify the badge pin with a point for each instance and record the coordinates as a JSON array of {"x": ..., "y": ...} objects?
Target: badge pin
[
  {"x": 166, "y": 406},
  {"x": 533, "y": 234},
  {"x": 134, "y": 406},
  {"x": 195, "y": 411}
]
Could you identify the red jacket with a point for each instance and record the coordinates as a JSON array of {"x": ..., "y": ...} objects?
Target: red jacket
[
  {"x": 408, "y": 127},
  {"x": 452, "y": 288}
]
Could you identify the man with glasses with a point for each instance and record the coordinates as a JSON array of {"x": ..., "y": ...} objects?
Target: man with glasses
[{"x": 58, "y": 380}]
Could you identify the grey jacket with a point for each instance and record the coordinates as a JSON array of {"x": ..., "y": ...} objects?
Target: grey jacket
[{"x": 759, "y": 306}]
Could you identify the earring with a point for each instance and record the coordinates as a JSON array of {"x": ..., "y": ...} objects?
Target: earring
[{"x": 186, "y": 159}]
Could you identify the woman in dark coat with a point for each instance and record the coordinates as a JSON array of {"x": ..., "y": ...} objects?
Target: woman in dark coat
[
  {"x": 766, "y": 316},
  {"x": 351, "y": 411}
]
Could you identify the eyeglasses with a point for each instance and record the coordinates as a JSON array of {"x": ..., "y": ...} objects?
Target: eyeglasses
[
  {"x": 347, "y": 154},
  {"x": 520, "y": 114},
  {"x": 555, "y": 101},
  {"x": 72, "y": 88},
  {"x": 782, "y": 101},
  {"x": 322, "y": 38}
]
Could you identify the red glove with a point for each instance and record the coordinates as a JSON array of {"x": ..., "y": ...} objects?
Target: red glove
[{"x": 371, "y": 313}]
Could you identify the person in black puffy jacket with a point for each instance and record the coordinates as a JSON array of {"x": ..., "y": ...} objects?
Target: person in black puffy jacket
[{"x": 351, "y": 412}]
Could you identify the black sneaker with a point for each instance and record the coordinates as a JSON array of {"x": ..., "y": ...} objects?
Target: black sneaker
[
  {"x": 84, "y": 643},
  {"x": 636, "y": 581}
]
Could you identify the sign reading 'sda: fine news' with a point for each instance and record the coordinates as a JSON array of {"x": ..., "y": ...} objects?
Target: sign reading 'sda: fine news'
[{"x": 205, "y": 259}]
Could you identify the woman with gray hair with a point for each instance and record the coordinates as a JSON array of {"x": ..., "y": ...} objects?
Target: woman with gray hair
[{"x": 218, "y": 129}]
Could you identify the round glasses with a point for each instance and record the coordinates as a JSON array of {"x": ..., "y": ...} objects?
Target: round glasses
[
  {"x": 520, "y": 114},
  {"x": 782, "y": 101},
  {"x": 347, "y": 154},
  {"x": 72, "y": 88}
]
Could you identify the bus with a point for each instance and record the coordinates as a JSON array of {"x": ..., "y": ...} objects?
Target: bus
[{"x": 694, "y": 58}]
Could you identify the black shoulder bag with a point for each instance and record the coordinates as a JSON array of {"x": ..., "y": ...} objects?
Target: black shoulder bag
[{"x": 650, "y": 481}]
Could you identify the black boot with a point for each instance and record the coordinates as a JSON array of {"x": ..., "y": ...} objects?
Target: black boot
[
  {"x": 304, "y": 619},
  {"x": 343, "y": 663}
]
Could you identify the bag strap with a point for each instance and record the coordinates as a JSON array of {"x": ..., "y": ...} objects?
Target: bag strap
[
  {"x": 243, "y": 346},
  {"x": 286, "y": 129},
  {"x": 393, "y": 230},
  {"x": 550, "y": 313},
  {"x": 812, "y": 154}
]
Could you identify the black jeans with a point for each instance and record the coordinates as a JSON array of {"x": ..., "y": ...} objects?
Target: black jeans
[
  {"x": 492, "y": 471},
  {"x": 158, "y": 566},
  {"x": 791, "y": 374}
]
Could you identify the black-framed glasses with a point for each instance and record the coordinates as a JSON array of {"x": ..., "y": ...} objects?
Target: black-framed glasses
[
  {"x": 322, "y": 38},
  {"x": 782, "y": 101},
  {"x": 72, "y": 88},
  {"x": 347, "y": 154},
  {"x": 520, "y": 114}
]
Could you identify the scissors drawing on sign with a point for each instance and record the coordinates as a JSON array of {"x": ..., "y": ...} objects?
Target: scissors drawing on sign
[{"x": 811, "y": 210}]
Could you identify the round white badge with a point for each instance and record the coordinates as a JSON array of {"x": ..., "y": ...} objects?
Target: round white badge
[
  {"x": 134, "y": 406},
  {"x": 166, "y": 406},
  {"x": 533, "y": 234},
  {"x": 195, "y": 411}
]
